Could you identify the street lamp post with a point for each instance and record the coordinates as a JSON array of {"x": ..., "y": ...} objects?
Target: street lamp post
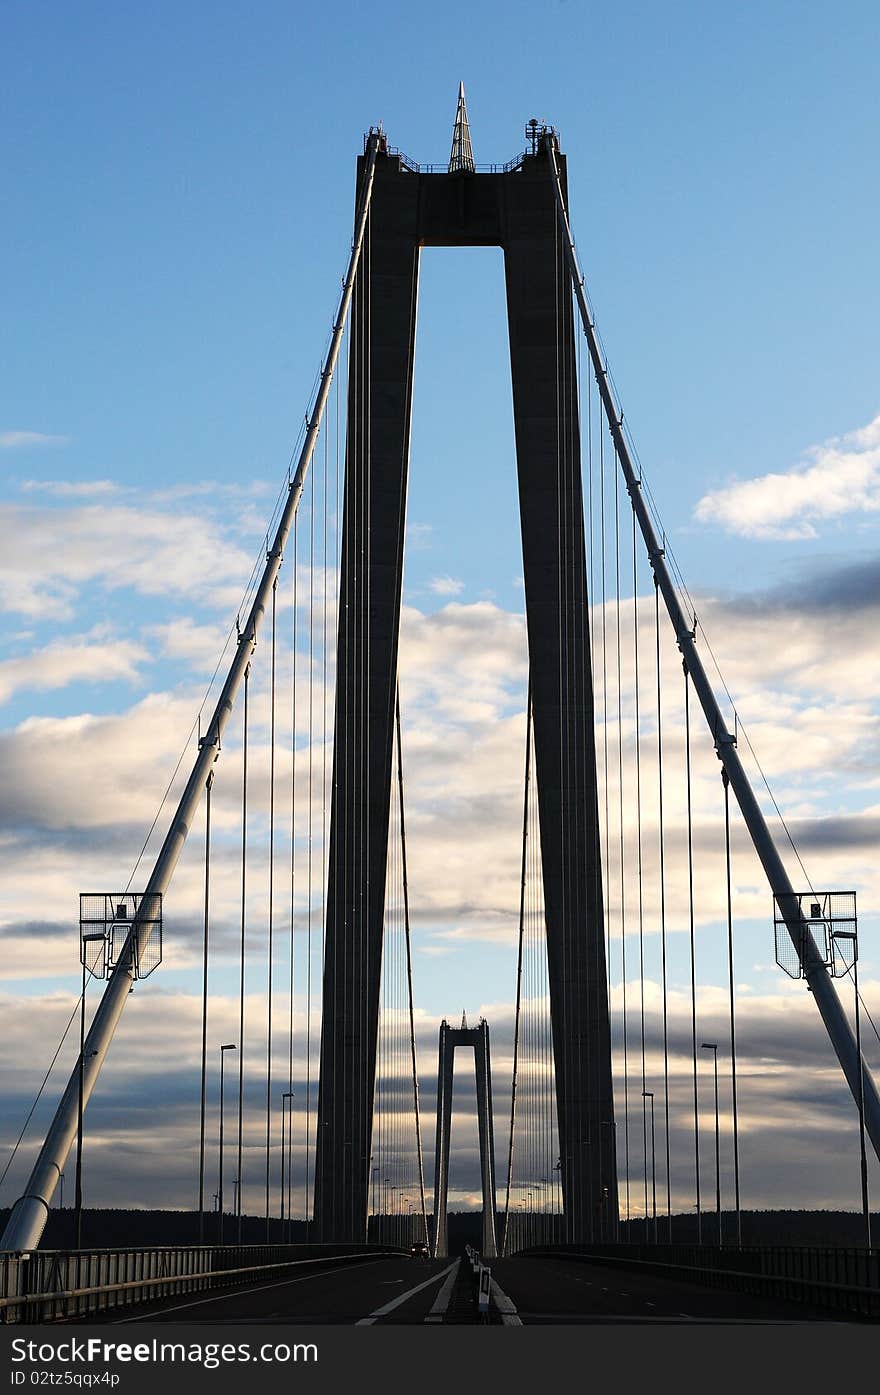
[
  {"x": 229, "y": 1046},
  {"x": 649, "y": 1095},
  {"x": 713, "y": 1047}
]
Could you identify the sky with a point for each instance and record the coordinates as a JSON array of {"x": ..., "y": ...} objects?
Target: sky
[{"x": 178, "y": 199}]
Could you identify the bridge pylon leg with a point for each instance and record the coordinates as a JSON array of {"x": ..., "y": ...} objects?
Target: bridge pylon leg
[{"x": 516, "y": 210}]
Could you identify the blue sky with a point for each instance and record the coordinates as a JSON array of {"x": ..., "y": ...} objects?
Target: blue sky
[
  {"x": 179, "y": 186},
  {"x": 178, "y": 191}
]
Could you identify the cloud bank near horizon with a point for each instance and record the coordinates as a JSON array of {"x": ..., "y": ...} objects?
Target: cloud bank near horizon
[{"x": 84, "y": 783}]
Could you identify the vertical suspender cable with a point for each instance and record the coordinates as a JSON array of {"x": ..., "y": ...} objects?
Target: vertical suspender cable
[
  {"x": 563, "y": 734},
  {"x": 607, "y": 848},
  {"x": 324, "y": 708},
  {"x": 241, "y": 994},
  {"x": 532, "y": 983},
  {"x": 390, "y": 1064},
  {"x": 663, "y": 916},
  {"x": 690, "y": 848},
  {"x": 366, "y": 614},
  {"x": 568, "y": 908},
  {"x": 601, "y": 913},
  {"x": 621, "y": 842},
  {"x": 271, "y": 904},
  {"x": 343, "y": 864},
  {"x": 337, "y": 568},
  {"x": 78, "y": 1193},
  {"x": 641, "y": 901},
  {"x": 208, "y": 784},
  {"x": 28, "y": 1217},
  {"x": 590, "y": 776},
  {"x": 732, "y": 987},
  {"x": 311, "y": 738},
  {"x": 287, "y": 1164}
]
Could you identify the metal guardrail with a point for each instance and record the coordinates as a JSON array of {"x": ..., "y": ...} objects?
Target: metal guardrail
[
  {"x": 482, "y": 1282},
  {"x": 58, "y": 1285},
  {"x": 843, "y": 1280},
  {"x": 416, "y": 168}
]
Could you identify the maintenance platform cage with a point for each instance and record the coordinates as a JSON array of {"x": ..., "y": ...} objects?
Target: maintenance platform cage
[
  {"x": 107, "y": 918},
  {"x": 829, "y": 917}
]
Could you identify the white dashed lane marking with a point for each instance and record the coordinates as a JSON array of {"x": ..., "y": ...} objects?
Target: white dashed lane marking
[{"x": 402, "y": 1297}]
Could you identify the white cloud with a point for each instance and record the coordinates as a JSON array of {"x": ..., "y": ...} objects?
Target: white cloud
[
  {"x": 200, "y": 489},
  {"x": 840, "y": 476},
  {"x": 446, "y": 586},
  {"x": 199, "y": 646},
  {"x": 71, "y": 489},
  {"x": 79, "y": 792},
  {"x": 418, "y": 536},
  {"x": 793, "y": 1103},
  {"x": 93, "y": 658},
  {"x": 47, "y": 556},
  {"x": 14, "y": 440}
]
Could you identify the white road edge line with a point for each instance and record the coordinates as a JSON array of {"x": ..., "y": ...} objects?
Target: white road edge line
[
  {"x": 441, "y": 1302},
  {"x": 238, "y": 1289},
  {"x": 402, "y": 1297},
  {"x": 506, "y": 1306}
]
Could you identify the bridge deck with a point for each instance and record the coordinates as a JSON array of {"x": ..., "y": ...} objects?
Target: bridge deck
[{"x": 398, "y": 1290}]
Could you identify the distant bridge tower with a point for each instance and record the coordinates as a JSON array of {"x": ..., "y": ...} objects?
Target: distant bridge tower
[
  {"x": 478, "y": 1038},
  {"x": 514, "y": 208}
]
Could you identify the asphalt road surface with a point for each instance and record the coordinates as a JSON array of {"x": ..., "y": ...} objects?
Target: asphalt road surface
[
  {"x": 571, "y": 1291},
  {"x": 394, "y": 1290}
]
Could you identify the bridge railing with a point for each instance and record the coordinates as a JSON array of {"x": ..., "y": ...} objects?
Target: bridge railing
[
  {"x": 843, "y": 1279},
  {"x": 54, "y": 1285},
  {"x": 415, "y": 167}
]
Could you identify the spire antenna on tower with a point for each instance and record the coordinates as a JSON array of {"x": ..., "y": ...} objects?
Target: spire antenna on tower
[{"x": 461, "y": 156}]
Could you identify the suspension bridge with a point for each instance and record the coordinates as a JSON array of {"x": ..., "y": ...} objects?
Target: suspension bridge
[{"x": 323, "y": 1140}]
